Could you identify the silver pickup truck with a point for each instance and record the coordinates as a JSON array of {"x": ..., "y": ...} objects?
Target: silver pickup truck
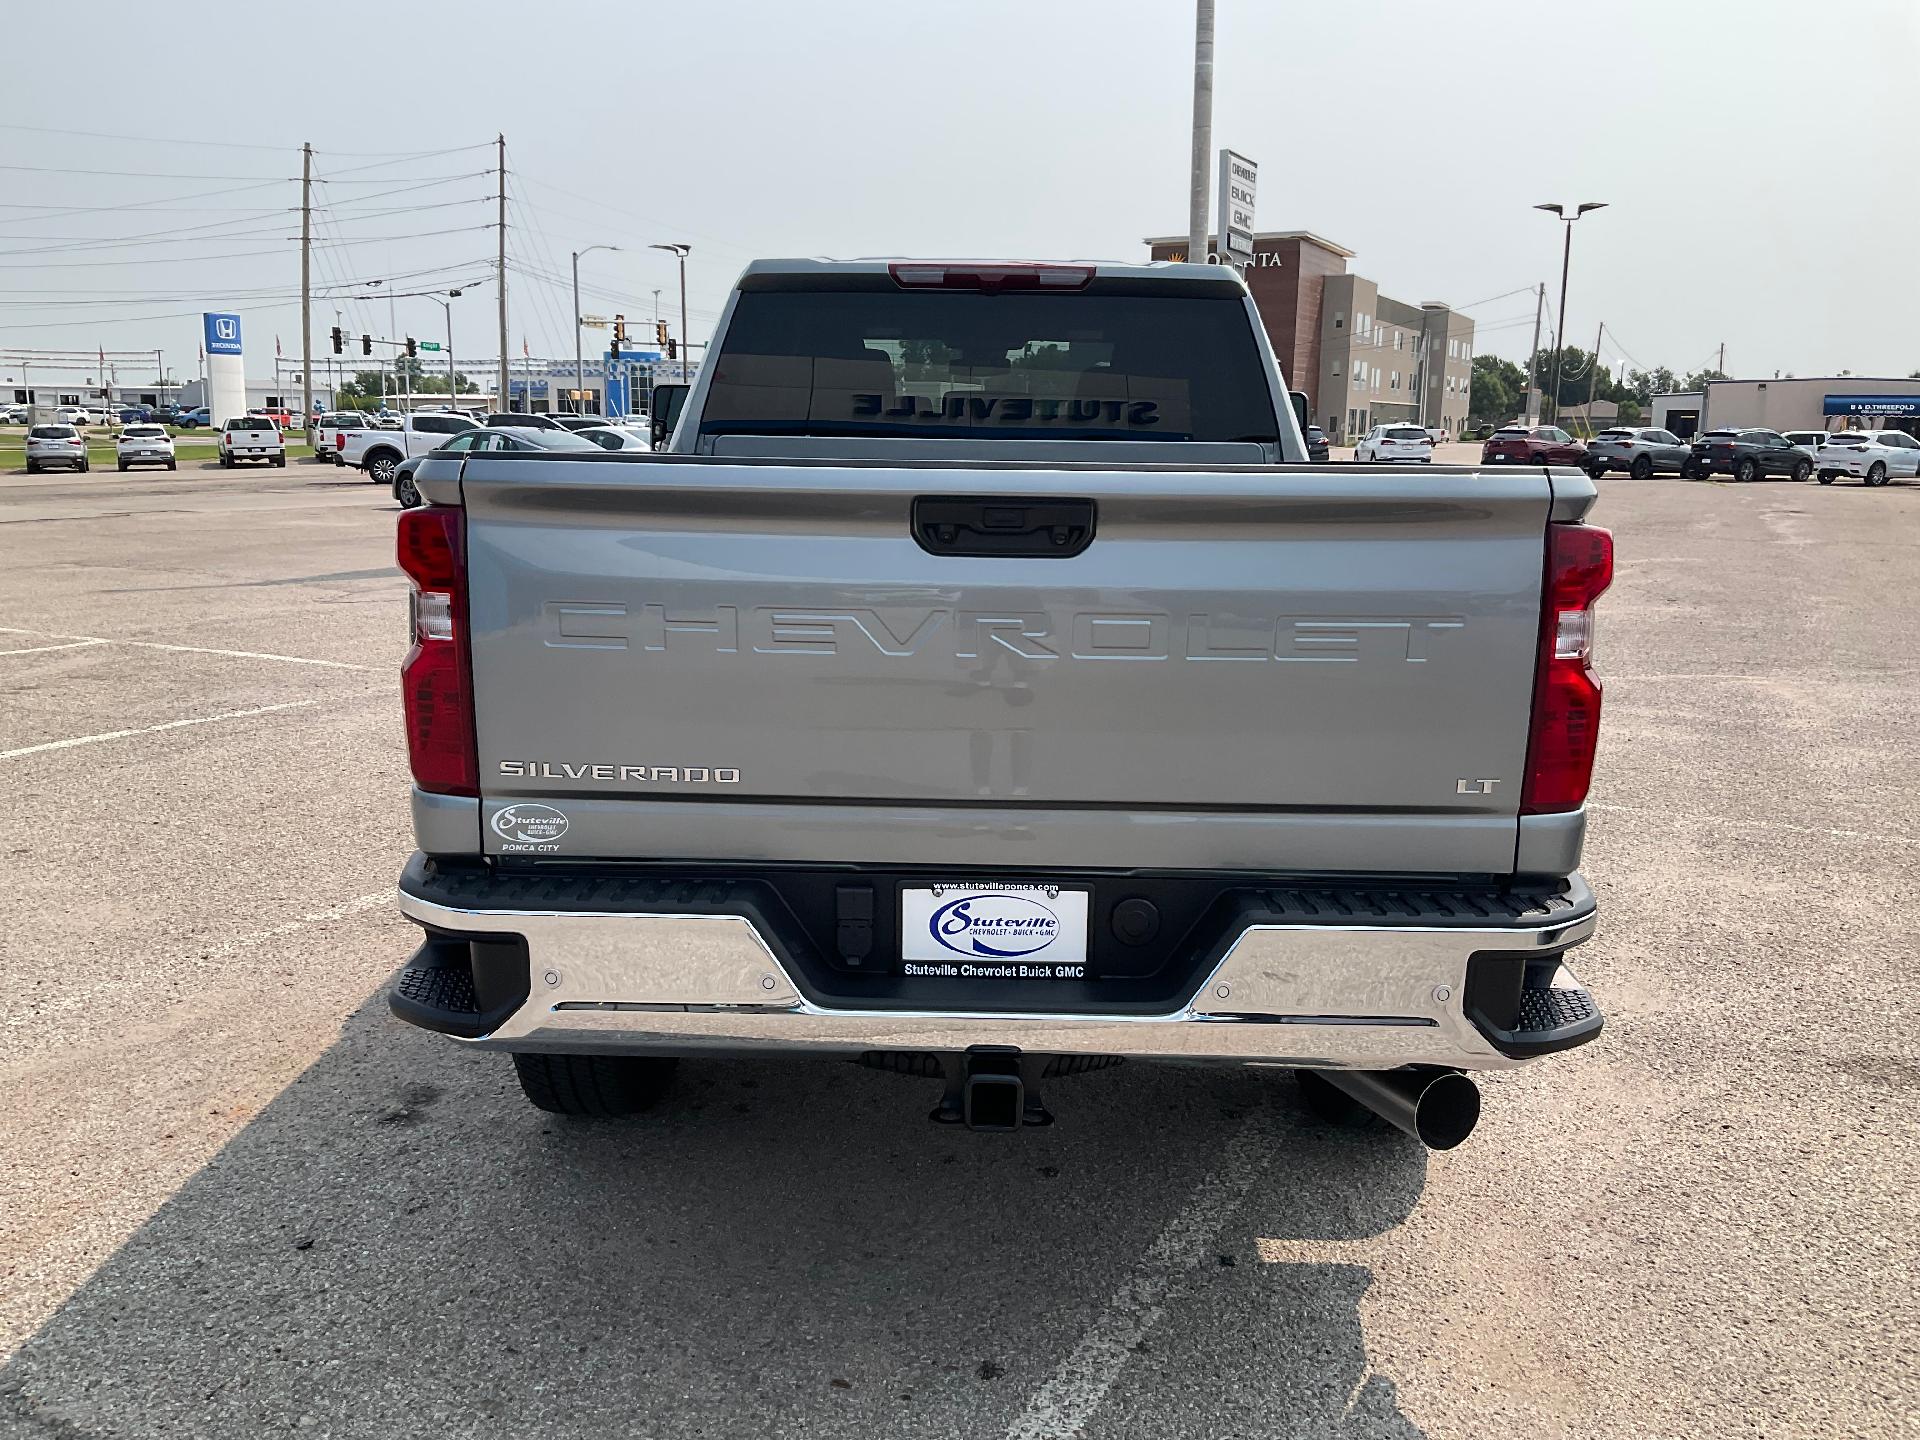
[{"x": 982, "y": 686}]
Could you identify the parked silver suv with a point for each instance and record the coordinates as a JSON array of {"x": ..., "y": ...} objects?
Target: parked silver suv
[
  {"x": 1641, "y": 452},
  {"x": 57, "y": 445}
]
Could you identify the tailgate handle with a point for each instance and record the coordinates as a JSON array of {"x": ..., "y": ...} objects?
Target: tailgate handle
[{"x": 1002, "y": 525}]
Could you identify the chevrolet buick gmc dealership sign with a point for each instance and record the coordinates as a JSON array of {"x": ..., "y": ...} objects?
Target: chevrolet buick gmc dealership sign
[
  {"x": 1233, "y": 235},
  {"x": 222, "y": 333}
]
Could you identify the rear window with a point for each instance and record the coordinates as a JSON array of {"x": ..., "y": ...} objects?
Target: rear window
[
  {"x": 1103, "y": 363},
  {"x": 53, "y": 432},
  {"x": 250, "y": 422},
  {"x": 1406, "y": 432},
  {"x": 145, "y": 432},
  {"x": 1510, "y": 432},
  {"x": 1614, "y": 435},
  {"x": 1721, "y": 435}
]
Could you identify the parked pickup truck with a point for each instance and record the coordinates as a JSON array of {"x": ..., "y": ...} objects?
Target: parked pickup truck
[
  {"x": 379, "y": 452},
  {"x": 983, "y": 686},
  {"x": 252, "y": 437},
  {"x": 330, "y": 431}
]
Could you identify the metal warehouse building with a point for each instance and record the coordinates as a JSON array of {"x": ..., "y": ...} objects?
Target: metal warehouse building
[{"x": 1835, "y": 402}]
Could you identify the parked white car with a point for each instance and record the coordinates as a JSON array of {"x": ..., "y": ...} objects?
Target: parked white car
[
  {"x": 1395, "y": 442},
  {"x": 144, "y": 444},
  {"x": 75, "y": 415},
  {"x": 1872, "y": 456},
  {"x": 61, "y": 445},
  {"x": 330, "y": 431},
  {"x": 616, "y": 437},
  {"x": 379, "y": 452}
]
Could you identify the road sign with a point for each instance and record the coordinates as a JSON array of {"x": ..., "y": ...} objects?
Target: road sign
[
  {"x": 1239, "y": 180},
  {"x": 594, "y": 322},
  {"x": 429, "y": 344}
]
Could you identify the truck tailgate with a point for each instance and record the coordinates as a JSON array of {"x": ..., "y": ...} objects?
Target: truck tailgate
[{"x": 1244, "y": 668}]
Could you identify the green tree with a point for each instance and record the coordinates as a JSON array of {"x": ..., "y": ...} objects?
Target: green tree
[
  {"x": 1699, "y": 378},
  {"x": 1498, "y": 391}
]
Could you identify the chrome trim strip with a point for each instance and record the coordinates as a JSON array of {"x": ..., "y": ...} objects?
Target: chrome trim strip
[{"x": 1361, "y": 997}]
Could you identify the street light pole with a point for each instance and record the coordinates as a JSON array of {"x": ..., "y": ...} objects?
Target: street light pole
[
  {"x": 447, "y": 306},
  {"x": 579, "y": 365},
  {"x": 1202, "y": 133},
  {"x": 1566, "y": 260},
  {"x": 686, "y": 340}
]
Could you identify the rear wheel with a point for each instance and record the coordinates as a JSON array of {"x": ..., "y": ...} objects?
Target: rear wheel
[
  {"x": 1745, "y": 470},
  {"x": 123, "y": 467},
  {"x": 279, "y": 462},
  {"x": 33, "y": 467},
  {"x": 1597, "y": 472},
  {"x": 1877, "y": 473},
  {"x": 1826, "y": 477},
  {"x": 381, "y": 467},
  {"x": 1643, "y": 467},
  {"x": 85, "y": 466},
  {"x": 1803, "y": 470},
  {"x": 593, "y": 1085},
  {"x": 406, "y": 492}
]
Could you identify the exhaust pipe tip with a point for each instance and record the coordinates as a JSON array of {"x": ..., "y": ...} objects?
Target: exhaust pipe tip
[
  {"x": 1439, "y": 1108},
  {"x": 1446, "y": 1111}
]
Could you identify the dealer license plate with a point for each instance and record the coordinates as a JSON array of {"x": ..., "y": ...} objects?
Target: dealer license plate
[{"x": 994, "y": 932}]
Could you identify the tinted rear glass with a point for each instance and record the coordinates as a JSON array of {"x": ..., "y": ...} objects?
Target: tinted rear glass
[
  {"x": 1515, "y": 434},
  {"x": 53, "y": 432},
  {"x": 1721, "y": 435},
  {"x": 1406, "y": 432},
  {"x": 250, "y": 422},
  {"x": 1085, "y": 366},
  {"x": 144, "y": 432},
  {"x": 1614, "y": 435}
]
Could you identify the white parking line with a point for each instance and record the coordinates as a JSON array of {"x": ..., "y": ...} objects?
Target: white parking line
[
  {"x": 1062, "y": 1407},
  {"x": 42, "y": 649},
  {"x": 186, "y": 649},
  {"x": 150, "y": 729}
]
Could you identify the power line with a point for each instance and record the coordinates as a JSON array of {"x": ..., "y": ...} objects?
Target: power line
[{"x": 230, "y": 144}]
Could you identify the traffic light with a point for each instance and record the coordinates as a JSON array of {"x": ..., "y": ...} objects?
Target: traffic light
[
  {"x": 613, "y": 346},
  {"x": 619, "y": 331},
  {"x": 366, "y": 344},
  {"x": 412, "y": 349},
  {"x": 673, "y": 348},
  {"x": 339, "y": 341},
  {"x": 660, "y": 332}
]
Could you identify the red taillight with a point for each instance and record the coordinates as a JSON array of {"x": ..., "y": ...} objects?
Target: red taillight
[
  {"x": 340, "y": 441},
  {"x": 436, "y": 679},
  {"x": 968, "y": 276},
  {"x": 1566, "y": 692}
]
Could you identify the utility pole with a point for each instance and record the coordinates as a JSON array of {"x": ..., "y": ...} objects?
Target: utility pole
[
  {"x": 500, "y": 278},
  {"x": 306, "y": 285},
  {"x": 1722, "y": 366},
  {"x": 1533, "y": 358},
  {"x": 1202, "y": 131}
]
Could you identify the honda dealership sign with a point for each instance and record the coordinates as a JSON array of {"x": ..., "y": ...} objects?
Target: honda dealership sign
[
  {"x": 226, "y": 372},
  {"x": 1239, "y": 179}
]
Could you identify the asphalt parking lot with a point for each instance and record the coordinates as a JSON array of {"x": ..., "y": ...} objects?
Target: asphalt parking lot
[{"x": 240, "y": 1200}]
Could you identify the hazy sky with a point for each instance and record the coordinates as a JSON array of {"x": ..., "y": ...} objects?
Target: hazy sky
[{"x": 1758, "y": 157}]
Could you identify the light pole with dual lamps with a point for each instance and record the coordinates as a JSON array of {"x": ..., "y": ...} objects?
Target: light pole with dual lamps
[{"x": 1566, "y": 258}]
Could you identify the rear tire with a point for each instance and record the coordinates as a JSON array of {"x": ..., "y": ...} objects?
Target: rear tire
[
  {"x": 33, "y": 467},
  {"x": 1802, "y": 471},
  {"x": 1877, "y": 473},
  {"x": 1826, "y": 477},
  {"x": 1745, "y": 471},
  {"x": 1642, "y": 468},
  {"x": 1596, "y": 472},
  {"x": 593, "y": 1086},
  {"x": 279, "y": 462},
  {"x": 406, "y": 492},
  {"x": 85, "y": 466},
  {"x": 123, "y": 467}
]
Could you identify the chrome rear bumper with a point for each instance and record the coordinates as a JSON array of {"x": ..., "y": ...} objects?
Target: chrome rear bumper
[{"x": 1345, "y": 997}]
